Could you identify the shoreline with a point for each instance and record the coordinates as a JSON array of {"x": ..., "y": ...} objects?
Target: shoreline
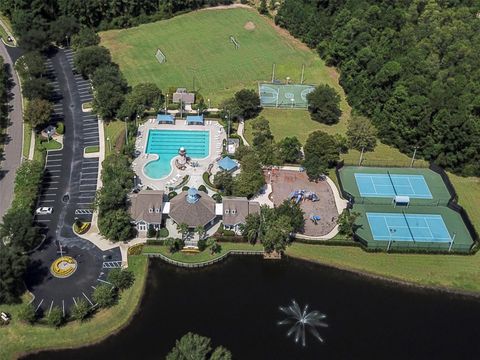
[
  {"x": 392, "y": 280},
  {"x": 120, "y": 327},
  {"x": 441, "y": 290}
]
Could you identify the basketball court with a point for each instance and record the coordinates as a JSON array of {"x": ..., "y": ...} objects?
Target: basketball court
[{"x": 285, "y": 96}]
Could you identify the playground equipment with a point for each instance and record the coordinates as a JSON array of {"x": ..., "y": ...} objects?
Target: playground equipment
[
  {"x": 298, "y": 195},
  {"x": 315, "y": 218}
]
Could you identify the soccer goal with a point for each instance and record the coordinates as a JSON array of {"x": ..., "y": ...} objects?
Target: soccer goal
[
  {"x": 160, "y": 56},
  {"x": 234, "y": 42}
]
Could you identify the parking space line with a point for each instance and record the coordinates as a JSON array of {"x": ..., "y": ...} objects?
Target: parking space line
[
  {"x": 51, "y": 306},
  {"x": 53, "y": 154},
  {"x": 86, "y": 297},
  {"x": 39, "y": 304},
  {"x": 63, "y": 307},
  {"x": 43, "y": 220},
  {"x": 75, "y": 301},
  {"x": 54, "y": 171}
]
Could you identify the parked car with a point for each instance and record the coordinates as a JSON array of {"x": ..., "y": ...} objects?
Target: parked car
[{"x": 44, "y": 211}]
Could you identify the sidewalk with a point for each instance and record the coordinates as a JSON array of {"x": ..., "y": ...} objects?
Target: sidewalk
[{"x": 240, "y": 130}]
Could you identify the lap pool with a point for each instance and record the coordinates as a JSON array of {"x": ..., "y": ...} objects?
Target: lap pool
[{"x": 165, "y": 143}]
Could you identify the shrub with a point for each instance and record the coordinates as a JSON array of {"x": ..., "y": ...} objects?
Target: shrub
[
  {"x": 26, "y": 314},
  {"x": 228, "y": 233},
  {"x": 60, "y": 128},
  {"x": 202, "y": 244},
  {"x": 120, "y": 278},
  {"x": 203, "y": 188},
  {"x": 105, "y": 296},
  {"x": 80, "y": 310},
  {"x": 185, "y": 188},
  {"x": 216, "y": 248},
  {"x": 135, "y": 249},
  {"x": 217, "y": 197},
  {"x": 172, "y": 194},
  {"x": 163, "y": 233},
  {"x": 55, "y": 317},
  {"x": 151, "y": 232}
]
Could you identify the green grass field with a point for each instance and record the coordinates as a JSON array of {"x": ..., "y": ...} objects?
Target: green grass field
[
  {"x": 18, "y": 338},
  {"x": 198, "y": 48}
]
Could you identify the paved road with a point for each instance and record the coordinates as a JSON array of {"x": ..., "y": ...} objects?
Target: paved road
[
  {"x": 13, "y": 147},
  {"x": 69, "y": 188}
]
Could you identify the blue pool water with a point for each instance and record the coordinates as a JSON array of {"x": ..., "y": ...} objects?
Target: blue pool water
[{"x": 165, "y": 143}]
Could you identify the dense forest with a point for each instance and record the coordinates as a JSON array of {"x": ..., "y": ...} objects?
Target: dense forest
[
  {"x": 37, "y": 21},
  {"x": 412, "y": 66}
]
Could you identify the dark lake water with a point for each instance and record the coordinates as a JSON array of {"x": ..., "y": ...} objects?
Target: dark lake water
[{"x": 236, "y": 304}]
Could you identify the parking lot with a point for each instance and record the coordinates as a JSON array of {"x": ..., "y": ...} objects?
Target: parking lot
[{"x": 69, "y": 187}]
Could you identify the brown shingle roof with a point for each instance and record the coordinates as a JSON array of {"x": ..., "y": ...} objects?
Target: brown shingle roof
[
  {"x": 236, "y": 209},
  {"x": 147, "y": 206},
  {"x": 199, "y": 213}
]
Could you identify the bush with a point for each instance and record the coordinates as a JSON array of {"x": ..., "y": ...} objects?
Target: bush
[
  {"x": 105, "y": 296},
  {"x": 203, "y": 188},
  {"x": 202, "y": 244},
  {"x": 156, "y": 241},
  {"x": 228, "y": 233},
  {"x": 217, "y": 197},
  {"x": 26, "y": 313},
  {"x": 185, "y": 188},
  {"x": 151, "y": 232},
  {"x": 80, "y": 310},
  {"x": 135, "y": 249},
  {"x": 121, "y": 279},
  {"x": 60, "y": 128},
  {"x": 172, "y": 194},
  {"x": 55, "y": 317},
  {"x": 163, "y": 233}
]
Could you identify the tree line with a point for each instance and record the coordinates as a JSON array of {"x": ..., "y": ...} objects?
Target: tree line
[
  {"x": 410, "y": 66},
  {"x": 38, "y": 22}
]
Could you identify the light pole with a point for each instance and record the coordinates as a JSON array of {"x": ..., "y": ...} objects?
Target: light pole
[
  {"x": 126, "y": 131},
  {"x": 413, "y": 157},
  {"x": 166, "y": 103},
  {"x": 361, "y": 156},
  {"x": 293, "y": 101},
  {"x": 227, "y": 117},
  {"x": 209, "y": 106}
]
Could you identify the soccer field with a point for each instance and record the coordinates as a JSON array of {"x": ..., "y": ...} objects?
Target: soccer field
[{"x": 199, "y": 52}]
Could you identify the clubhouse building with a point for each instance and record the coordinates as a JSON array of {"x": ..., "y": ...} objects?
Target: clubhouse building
[{"x": 192, "y": 207}]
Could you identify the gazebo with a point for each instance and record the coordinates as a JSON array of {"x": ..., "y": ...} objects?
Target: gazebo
[
  {"x": 228, "y": 164},
  {"x": 195, "y": 120},
  {"x": 165, "y": 119}
]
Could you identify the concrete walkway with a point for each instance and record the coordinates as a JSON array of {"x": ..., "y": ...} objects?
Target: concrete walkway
[
  {"x": 32, "y": 146},
  {"x": 240, "y": 130},
  {"x": 14, "y": 139}
]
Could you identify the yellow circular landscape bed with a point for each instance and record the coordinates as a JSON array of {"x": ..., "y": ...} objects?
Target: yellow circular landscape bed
[{"x": 63, "y": 267}]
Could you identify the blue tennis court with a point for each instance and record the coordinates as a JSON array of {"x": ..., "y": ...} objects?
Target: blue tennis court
[
  {"x": 408, "y": 227},
  {"x": 386, "y": 185}
]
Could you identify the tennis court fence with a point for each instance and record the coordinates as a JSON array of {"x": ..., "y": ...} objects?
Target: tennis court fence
[
  {"x": 386, "y": 163},
  {"x": 389, "y": 201}
]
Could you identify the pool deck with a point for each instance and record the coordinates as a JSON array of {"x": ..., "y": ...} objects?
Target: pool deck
[{"x": 217, "y": 135}]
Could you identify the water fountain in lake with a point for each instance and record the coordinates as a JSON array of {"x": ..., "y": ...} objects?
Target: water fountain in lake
[{"x": 301, "y": 320}]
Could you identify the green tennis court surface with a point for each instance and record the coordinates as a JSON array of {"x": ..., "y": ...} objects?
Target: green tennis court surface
[
  {"x": 284, "y": 96},
  {"x": 389, "y": 185},
  {"x": 408, "y": 227}
]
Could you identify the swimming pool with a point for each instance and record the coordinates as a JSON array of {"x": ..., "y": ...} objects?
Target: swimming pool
[{"x": 165, "y": 143}]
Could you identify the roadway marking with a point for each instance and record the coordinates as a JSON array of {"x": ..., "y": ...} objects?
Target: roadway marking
[
  {"x": 75, "y": 301},
  {"x": 49, "y": 194},
  {"x": 106, "y": 282},
  {"x": 63, "y": 306},
  {"x": 42, "y": 220},
  {"x": 54, "y": 155},
  {"x": 91, "y": 137},
  {"x": 53, "y": 170},
  {"x": 90, "y": 167},
  {"x": 38, "y": 307},
  {"x": 86, "y": 297},
  {"x": 47, "y": 201},
  {"x": 51, "y": 306}
]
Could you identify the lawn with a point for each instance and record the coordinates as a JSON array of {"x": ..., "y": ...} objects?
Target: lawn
[
  {"x": 18, "y": 338},
  {"x": 202, "y": 256},
  {"x": 200, "y": 54},
  {"x": 92, "y": 149},
  {"x": 113, "y": 129},
  {"x": 456, "y": 272},
  {"x": 6, "y": 22},
  {"x": 27, "y": 134}
]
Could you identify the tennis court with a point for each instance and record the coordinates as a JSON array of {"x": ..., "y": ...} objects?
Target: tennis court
[
  {"x": 390, "y": 185},
  {"x": 408, "y": 227},
  {"x": 284, "y": 95}
]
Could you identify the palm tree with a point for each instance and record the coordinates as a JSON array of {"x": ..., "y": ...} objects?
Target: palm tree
[
  {"x": 200, "y": 230},
  {"x": 183, "y": 229}
]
